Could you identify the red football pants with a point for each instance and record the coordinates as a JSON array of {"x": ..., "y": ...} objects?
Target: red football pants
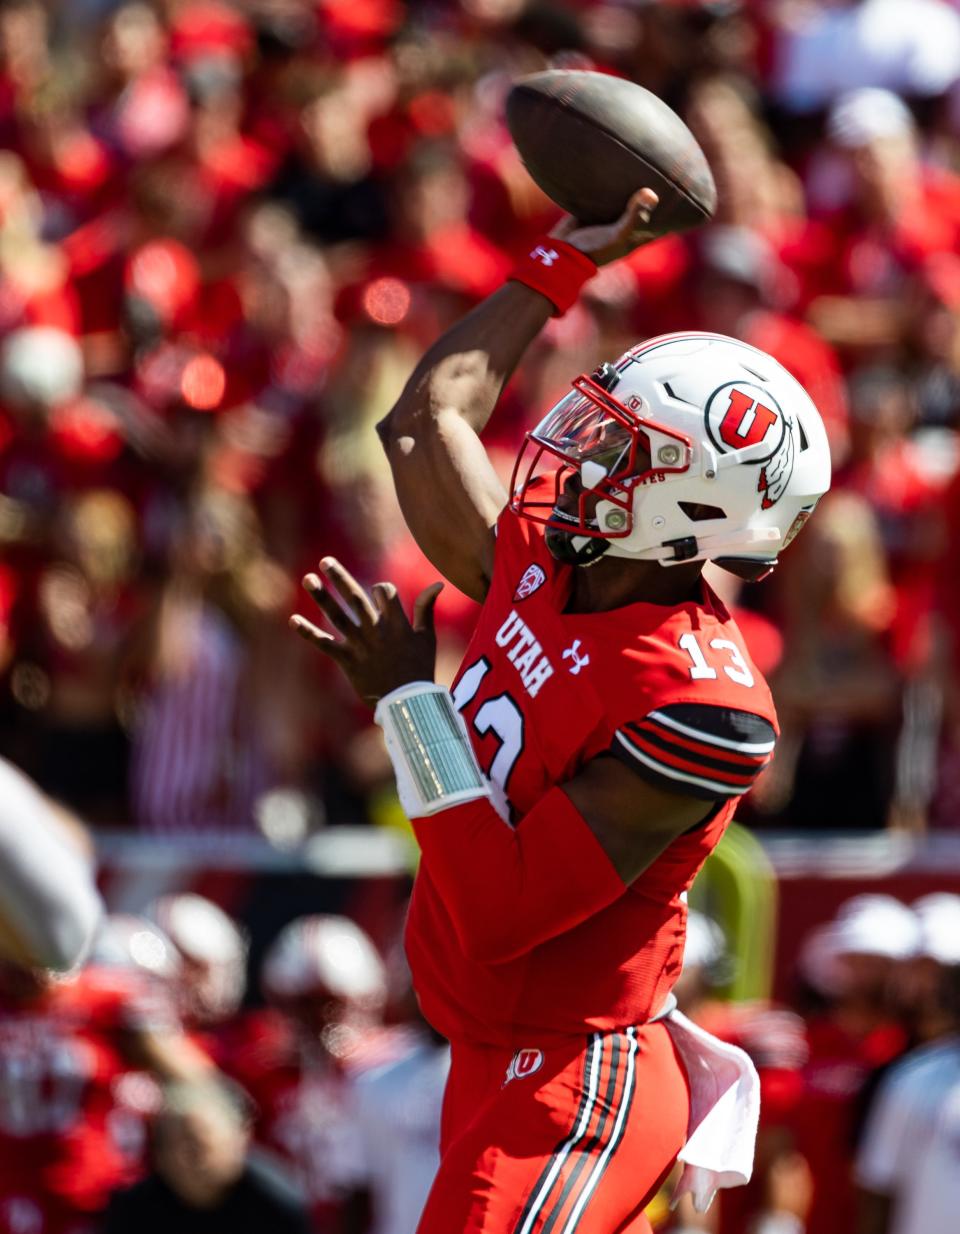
[{"x": 576, "y": 1141}]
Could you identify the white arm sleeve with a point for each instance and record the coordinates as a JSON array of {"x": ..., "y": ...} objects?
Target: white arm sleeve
[
  {"x": 47, "y": 893},
  {"x": 888, "y": 1152},
  {"x": 352, "y": 1163}
]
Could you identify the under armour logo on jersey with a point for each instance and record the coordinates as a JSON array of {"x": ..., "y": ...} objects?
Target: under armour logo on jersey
[
  {"x": 533, "y": 578},
  {"x": 546, "y": 257},
  {"x": 523, "y": 1063},
  {"x": 573, "y": 653}
]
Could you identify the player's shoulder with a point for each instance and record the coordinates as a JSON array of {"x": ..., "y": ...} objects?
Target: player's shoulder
[
  {"x": 521, "y": 557},
  {"x": 923, "y": 1073},
  {"x": 695, "y": 713},
  {"x": 691, "y": 653},
  {"x": 700, "y": 749}
]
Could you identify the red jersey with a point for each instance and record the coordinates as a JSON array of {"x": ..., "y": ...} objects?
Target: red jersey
[
  {"x": 303, "y": 1099},
  {"x": 670, "y": 690},
  {"x": 833, "y": 1078},
  {"x": 61, "y": 1069}
]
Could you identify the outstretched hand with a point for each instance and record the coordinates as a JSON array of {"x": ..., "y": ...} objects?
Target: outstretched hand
[
  {"x": 605, "y": 242},
  {"x": 379, "y": 649}
]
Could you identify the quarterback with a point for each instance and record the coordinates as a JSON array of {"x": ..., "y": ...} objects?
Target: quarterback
[{"x": 604, "y": 722}]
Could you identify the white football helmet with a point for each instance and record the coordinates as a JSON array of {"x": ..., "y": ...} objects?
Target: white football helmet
[
  {"x": 938, "y": 917},
  {"x": 213, "y": 950},
  {"x": 325, "y": 956},
  {"x": 136, "y": 944},
  {"x": 699, "y": 448}
]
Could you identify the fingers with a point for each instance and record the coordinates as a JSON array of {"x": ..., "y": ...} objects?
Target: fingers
[
  {"x": 318, "y": 638},
  {"x": 606, "y": 242},
  {"x": 646, "y": 201},
  {"x": 639, "y": 211},
  {"x": 423, "y": 607},
  {"x": 347, "y": 606},
  {"x": 326, "y": 601},
  {"x": 355, "y": 599},
  {"x": 384, "y": 596}
]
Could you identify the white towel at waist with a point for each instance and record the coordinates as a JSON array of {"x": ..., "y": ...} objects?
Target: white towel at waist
[{"x": 724, "y": 1111}]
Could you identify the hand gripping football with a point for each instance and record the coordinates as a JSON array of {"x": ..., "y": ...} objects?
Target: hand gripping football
[{"x": 590, "y": 141}]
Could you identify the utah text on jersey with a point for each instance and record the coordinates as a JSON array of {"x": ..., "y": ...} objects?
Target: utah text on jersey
[{"x": 525, "y": 653}]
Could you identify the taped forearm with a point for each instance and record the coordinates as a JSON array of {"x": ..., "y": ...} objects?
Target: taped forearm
[
  {"x": 508, "y": 889},
  {"x": 48, "y": 900}
]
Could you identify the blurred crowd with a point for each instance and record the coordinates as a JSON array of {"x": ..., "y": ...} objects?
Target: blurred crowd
[
  {"x": 152, "y": 1090},
  {"x": 141, "y": 1093},
  {"x": 859, "y": 1072},
  {"x": 227, "y": 230}
]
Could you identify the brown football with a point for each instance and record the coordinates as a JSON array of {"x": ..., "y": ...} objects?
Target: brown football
[{"x": 590, "y": 141}]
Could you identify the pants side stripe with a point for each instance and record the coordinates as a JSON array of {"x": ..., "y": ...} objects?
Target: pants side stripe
[
  {"x": 598, "y": 1170},
  {"x": 589, "y": 1148},
  {"x": 548, "y": 1178}
]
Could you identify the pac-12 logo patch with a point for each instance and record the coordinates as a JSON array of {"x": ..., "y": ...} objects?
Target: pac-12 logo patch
[
  {"x": 534, "y": 577},
  {"x": 524, "y": 1063},
  {"x": 739, "y": 415}
]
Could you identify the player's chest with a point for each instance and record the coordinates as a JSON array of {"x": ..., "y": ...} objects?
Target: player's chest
[{"x": 528, "y": 693}]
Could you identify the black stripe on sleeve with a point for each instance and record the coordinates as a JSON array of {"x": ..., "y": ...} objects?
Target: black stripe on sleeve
[{"x": 697, "y": 749}]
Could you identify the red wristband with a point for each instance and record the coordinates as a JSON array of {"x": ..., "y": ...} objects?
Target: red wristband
[{"x": 556, "y": 270}]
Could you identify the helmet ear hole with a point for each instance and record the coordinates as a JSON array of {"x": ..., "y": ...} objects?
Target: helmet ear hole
[{"x": 698, "y": 512}]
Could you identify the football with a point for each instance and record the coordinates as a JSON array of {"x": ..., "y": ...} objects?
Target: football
[{"x": 590, "y": 141}]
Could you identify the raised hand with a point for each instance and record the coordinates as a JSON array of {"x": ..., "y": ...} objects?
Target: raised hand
[
  {"x": 378, "y": 648},
  {"x": 605, "y": 242}
]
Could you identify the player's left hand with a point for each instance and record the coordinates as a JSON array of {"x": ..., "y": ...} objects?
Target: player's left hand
[{"x": 379, "y": 649}]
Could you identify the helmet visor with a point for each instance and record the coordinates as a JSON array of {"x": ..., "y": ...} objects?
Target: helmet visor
[{"x": 581, "y": 430}]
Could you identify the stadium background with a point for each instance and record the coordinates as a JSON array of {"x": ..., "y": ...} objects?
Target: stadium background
[{"x": 226, "y": 233}]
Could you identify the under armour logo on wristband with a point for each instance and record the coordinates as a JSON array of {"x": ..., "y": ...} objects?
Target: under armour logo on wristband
[{"x": 556, "y": 270}]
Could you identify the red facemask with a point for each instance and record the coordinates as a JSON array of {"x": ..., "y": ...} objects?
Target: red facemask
[{"x": 606, "y": 445}]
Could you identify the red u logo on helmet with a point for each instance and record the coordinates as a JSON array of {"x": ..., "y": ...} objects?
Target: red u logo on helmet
[{"x": 746, "y": 421}]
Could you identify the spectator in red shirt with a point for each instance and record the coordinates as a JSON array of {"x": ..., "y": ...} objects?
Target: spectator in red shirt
[
  {"x": 849, "y": 963},
  {"x": 838, "y": 694},
  {"x": 736, "y": 285},
  {"x": 64, "y": 1050},
  {"x": 141, "y": 107},
  {"x": 326, "y": 985},
  {"x": 932, "y": 342},
  {"x": 898, "y": 212},
  {"x": 903, "y": 483}
]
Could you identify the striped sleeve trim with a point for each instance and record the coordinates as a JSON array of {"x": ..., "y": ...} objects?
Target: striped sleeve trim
[{"x": 710, "y": 752}]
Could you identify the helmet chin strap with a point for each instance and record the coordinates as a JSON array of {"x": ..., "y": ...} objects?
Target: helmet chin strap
[
  {"x": 584, "y": 551},
  {"x": 765, "y": 540},
  {"x": 574, "y": 550}
]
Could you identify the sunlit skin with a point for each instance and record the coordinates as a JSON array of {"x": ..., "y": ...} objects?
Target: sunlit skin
[{"x": 200, "y": 1155}]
